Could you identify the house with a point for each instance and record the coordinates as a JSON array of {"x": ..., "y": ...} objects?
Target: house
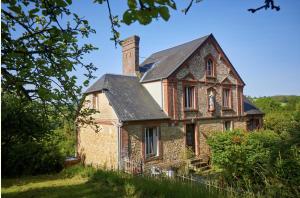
[{"x": 170, "y": 102}]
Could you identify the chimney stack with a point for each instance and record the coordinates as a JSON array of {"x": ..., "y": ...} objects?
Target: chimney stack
[{"x": 130, "y": 53}]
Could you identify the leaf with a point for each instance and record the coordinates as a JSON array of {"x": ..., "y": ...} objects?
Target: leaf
[
  {"x": 127, "y": 17},
  {"x": 69, "y": 2},
  {"x": 164, "y": 12}
]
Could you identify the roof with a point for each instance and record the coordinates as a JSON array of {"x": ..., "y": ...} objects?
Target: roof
[
  {"x": 163, "y": 63},
  {"x": 250, "y": 108},
  {"x": 130, "y": 100}
]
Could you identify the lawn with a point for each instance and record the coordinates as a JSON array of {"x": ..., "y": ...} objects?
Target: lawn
[{"x": 88, "y": 182}]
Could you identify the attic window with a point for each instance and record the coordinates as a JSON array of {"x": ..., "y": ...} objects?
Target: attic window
[
  {"x": 209, "y": 67},
  {"x": 95, "y": 101}
]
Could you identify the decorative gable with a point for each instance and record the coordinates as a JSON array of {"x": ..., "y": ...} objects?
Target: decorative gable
[{"x": 189, "y": 77}]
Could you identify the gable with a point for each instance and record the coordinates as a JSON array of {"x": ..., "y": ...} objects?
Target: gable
[
  {"x": 165, "y": 63},
  {"x": 196, "y": 64},
  {"x": 162, "y": 64}
]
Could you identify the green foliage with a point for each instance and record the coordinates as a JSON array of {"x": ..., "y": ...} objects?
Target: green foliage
[
  {"x": 79, "y": 181},
  {"x": 29, "y": 145},
  {"x": 40, "y": 51},
  {"x": 281, "y": 122},
  {"x": 261, "y": 161},
  {"x": 267, "y": 104}
]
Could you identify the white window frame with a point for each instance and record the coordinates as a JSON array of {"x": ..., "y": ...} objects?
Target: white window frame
[
  {"x": 189, "y": 97},
  {"x": 151, "y": 143}
]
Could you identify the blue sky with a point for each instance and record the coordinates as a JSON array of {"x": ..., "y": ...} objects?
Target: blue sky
[{"x": 263, "y": 47}]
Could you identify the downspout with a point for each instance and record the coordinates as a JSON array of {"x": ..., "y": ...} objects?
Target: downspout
[
  {"x": 162, "y": 93},
  {"x": 119, "y": 126}
]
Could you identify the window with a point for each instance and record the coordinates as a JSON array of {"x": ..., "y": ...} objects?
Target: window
[
  {"x": 226, "y": 98},
  {"x": 151, "y": 141},
  {"x": 209, "y": 68},
  {"x": 227, "y": 126},
  {"x": 95, "y": 101},
  {"x": 189, "y": 97},
  {"x": 253, "y": 124}
]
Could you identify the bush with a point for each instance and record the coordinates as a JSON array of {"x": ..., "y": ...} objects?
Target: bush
[
  {"x": 281, "y": 122},
  {"x": 258, "y": 161},
  {"x": 29, "y": 145}
]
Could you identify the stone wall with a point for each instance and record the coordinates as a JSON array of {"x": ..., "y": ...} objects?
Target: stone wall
[
  {"x": 224, "y": 77},
  {"x": 99, "y": 148},
  {"x": 172, "y": 142},
  {"x": 173, "y": 138}
]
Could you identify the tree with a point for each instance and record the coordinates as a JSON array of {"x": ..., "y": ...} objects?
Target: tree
[{"x": 40, "y": 50}]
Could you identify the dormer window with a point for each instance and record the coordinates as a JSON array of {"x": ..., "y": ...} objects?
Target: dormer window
[{"x": 209, "y": 67}]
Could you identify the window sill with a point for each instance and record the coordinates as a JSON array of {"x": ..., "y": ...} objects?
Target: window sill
[
  {"x": 190, "y": 110},
  {"x": 227, "y": 109},
  {"x": 152, "y": 158},
  {"x": 211, "y": 77}
]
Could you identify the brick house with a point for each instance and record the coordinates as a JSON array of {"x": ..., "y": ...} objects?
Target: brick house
[{"x": 158, "y": 108}]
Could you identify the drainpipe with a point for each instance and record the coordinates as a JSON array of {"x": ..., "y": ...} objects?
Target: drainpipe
[{"x": 119, "y": 126}]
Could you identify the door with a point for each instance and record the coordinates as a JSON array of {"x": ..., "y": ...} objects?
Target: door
[{"x": 190, "y": 136}]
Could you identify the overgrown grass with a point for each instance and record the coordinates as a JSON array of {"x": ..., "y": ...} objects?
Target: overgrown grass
[{"x": 81, "y": 181}]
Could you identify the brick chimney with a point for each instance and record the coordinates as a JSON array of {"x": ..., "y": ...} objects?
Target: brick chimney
[{"x": 130, "y": 50}]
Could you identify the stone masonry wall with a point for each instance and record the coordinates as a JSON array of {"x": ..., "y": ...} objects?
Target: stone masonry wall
[
  {"x": 224, "y": 78},
  {"x": 173, "y": 139},
  {"x": 99, "y": 148}
]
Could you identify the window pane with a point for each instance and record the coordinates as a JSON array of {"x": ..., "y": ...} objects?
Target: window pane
[
  {"x": 226, "y": 98},
  {"x": 151, "y": 142},
  {"x": 209, "y": 67},
  {"x": 188, "y": 97}
]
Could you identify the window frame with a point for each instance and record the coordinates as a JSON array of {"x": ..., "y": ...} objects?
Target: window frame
[
  {"x": 189, "y": 98},
  {"x": 147, "y": 142},
  {"x": 95, "y": 101},
  {"x": 230, "y": 125},
  {"x": 211, "y": 67},
  {"x": 210, "y": 58},
  {"x": 229, "y": 105}
]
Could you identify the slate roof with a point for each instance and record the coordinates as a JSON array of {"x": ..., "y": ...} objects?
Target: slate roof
[
  {"x": 130, "y": 100},
  {"x": 250, "y": 108},
  {"x": 163, "y": 63}
]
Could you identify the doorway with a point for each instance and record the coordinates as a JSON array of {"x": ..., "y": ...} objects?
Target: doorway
[{"x": 190, "y": 137}]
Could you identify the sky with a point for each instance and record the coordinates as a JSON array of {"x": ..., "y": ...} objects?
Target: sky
[{"x": 263, "y": 47}]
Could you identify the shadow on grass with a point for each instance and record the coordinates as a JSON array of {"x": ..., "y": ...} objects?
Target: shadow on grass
[{"x": 113, "y": 184}]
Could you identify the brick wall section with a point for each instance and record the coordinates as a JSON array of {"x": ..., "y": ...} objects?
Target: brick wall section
[{"x": 130, "y": 57}]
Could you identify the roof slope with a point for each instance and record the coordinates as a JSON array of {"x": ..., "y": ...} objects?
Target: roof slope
[
  {"x": 250, "y": 108},
  {"x": 163, "y": 63},
  {"x": 130, "y": 100}
]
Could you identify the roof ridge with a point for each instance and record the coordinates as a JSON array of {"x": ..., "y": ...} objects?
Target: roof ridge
[{"x": 181, "y": 44}]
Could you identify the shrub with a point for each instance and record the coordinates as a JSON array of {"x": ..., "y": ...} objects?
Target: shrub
[
  {"x": 29, "y": 145},
  {"x": 258, "y": 161}
]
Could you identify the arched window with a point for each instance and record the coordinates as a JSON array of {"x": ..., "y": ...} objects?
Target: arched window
[{"x": 209, "y": 67}]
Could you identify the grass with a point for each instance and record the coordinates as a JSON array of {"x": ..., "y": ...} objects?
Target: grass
[{"x": 78, "y": 181}]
